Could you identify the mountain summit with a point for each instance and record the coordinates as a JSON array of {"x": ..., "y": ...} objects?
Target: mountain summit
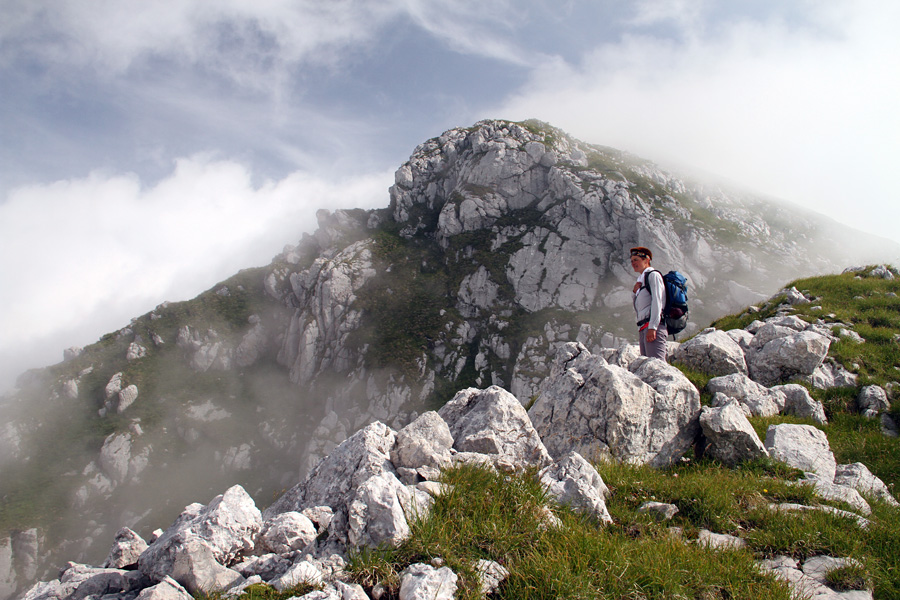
[{"x": 501, "y": 242}]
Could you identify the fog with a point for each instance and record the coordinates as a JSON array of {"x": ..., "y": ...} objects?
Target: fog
[{"x": 113, "y": 249}]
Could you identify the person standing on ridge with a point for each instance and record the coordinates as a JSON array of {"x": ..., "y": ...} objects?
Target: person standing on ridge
[{"x": 649, "y": 298}]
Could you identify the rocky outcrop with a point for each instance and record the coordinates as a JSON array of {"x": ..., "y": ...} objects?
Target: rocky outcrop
[
  {"x": 574, "y": 482},
  {"x": 806, "y": 448},
  {"x": 713, "y": 352},
  {"x": 807, "y": 579},
  {"x": 598, "y": 409},
  {"x": 492, "y": 422},
  {"x": 755, "y": 399},
  {"x": 355, "y": 496},
  {"x": 798, "y": 402},
  {"x": 803, "y": 447},
  {"x": 729, "y": 436},
  {"x": 784, "y": 357},
  {"x": 194, "y": 550},
  {"x": 872, "y": 400}
]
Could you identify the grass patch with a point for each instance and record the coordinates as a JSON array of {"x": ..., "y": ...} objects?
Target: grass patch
[
  {"x": 849, "y": 577},
  {"x": 262, "y": 591},
  {"x": 501, "y": 517}
]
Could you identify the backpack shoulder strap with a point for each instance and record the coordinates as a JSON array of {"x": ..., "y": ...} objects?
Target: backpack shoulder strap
[{"x": 647, "y": 285}]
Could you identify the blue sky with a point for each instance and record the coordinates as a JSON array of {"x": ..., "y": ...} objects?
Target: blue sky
[{"x": 150, "y": 149}]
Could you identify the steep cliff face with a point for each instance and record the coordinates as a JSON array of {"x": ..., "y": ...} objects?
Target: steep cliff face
[{"x": 500, "y": 243}]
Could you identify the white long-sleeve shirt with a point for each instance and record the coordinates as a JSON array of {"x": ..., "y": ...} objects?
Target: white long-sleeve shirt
[{"x": 649, "y": 305}]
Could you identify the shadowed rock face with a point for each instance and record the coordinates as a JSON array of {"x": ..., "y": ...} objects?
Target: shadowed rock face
[{"x": 497, "y": 244}]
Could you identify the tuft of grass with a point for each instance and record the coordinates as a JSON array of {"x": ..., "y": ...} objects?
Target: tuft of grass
[
  {"x": 849, "y": 577},
  {"x": 262, "y": 591}
]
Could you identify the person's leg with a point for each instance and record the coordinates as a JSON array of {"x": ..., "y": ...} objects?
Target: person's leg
[
  {"x": 642, "y": 341},
  {"x": 656, "y": 348}
]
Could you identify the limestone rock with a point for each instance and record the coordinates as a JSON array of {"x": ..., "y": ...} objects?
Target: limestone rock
[
  {"x": 800, "y": 403},
  {"x": 713, "y": 352},
  {"x": 114, "y": 386},
  {"x": 424, "y": 442},
  {"x": 252, "y": 345},
  {"x": 494, "y": 423},
  {"x": 361, "y": 456},
  {"x": 742, "y": 337},
  {"x": 167, "y": 589},
  {"x": 661, "y": 511},
  {"x": 287, "y": 532},
  {"x": 674, "y": 424},
  {"x": 79, "y": 581},
  {"x": 883, "y": 272},
  {"x": 115, "y": 456},
  {"x": 808, "y": 581},
  {"x": 573, "y": 481},
  {"x": 830, "y": 375},
  {"x": 267, "y": 566},
  {"x": 829, "y": 490},
  {"x": 302, "y": 571},
  {"x": 872, "y": 400},
  {"x": 795, "y": 355},
  {"x": 755, "y": 400},
  {"x": 730, "y": 436},
  {"x": 795, "y": 296},
  {"x": 192, "y": 563},
  {"x": 491, "y": 574},
  {"x": 126, "y": 550},
  {"x": 719, "y": 541},
  {"x": 803, "y": 447},
  {"x": 477, "y": 293},
  {"x": 597, "y": 409},
  {"x": 135, "y": 351},
  {"x": 858, "y": 477},
  {"x": 194, "y": 550},
  {"x": 326, "y": 291},
  {"x": 382, "y": 509},
  {"x": 127, "y": 397},
  {"x": 70, "y": 389},
  {"x": 423, "y": 582},
  {"x": 8, "y": 583},
  {"x": 862, "y": 522}
]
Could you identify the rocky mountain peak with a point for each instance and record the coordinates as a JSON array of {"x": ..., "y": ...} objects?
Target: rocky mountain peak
[{"x": 501, "y": 243}]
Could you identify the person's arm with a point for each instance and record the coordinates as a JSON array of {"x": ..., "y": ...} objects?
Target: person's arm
[{"x": 657, "y": 301}]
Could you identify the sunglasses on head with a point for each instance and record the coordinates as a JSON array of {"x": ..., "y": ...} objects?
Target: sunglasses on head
[{"x": 636, "y": 253}]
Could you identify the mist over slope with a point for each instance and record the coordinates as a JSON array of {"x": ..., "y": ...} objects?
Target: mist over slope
[{"x": 497, "y": 243}]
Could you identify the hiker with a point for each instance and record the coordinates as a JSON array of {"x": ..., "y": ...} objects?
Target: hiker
[{"x": 649, "y": 298}]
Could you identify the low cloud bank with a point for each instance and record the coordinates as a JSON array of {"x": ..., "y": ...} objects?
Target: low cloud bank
[{"x": 80, "y": 257}]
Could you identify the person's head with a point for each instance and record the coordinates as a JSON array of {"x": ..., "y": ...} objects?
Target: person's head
[{"x": 640, "y": 259}]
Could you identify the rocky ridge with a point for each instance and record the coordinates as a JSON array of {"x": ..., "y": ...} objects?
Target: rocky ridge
[
  {"x": 502, "y": 243},
  {"x": 614, "y": 405}
]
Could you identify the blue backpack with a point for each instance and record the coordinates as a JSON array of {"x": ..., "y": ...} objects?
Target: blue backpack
[{"x": 675, "y": 312}]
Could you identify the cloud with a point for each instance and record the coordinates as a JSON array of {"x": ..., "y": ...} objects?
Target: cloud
[
  {"x": 474, "y": 27},
  {"x": 257, "y": 44},
  {"x": 804, "y": 110},
  {"x": 80, "y": 257}
]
